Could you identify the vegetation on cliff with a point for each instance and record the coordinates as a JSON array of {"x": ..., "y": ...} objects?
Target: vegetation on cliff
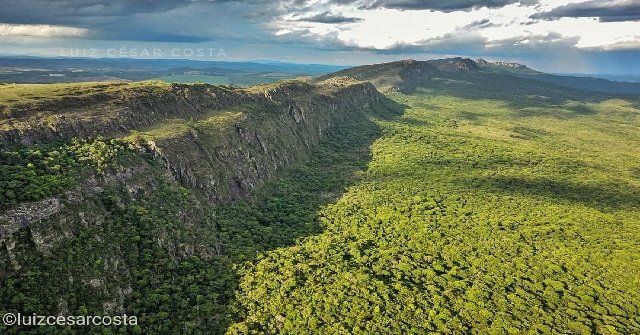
[{"x": 33, "y": 173}]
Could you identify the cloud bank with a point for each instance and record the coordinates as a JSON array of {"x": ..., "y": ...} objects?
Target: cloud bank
[{"x": 334, "y": 31}]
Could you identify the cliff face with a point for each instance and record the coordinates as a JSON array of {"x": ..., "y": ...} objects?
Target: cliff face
[
  {"x": 190, "y": 147},
  {"x": 218, "y": 140},
  {"x": 246, "y": 143}
]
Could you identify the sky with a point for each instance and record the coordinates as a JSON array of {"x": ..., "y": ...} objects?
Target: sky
[{"x": 562, "y": 36}]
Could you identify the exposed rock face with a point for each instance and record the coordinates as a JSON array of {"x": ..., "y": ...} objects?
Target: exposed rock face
[
  {"x": 510, "y": 65},
  {"x": 455, "y": 64},
  {"x": 21, "y": 218},
  {"x": 280, "y": 126},
  {"x": 268, "y": 127}
]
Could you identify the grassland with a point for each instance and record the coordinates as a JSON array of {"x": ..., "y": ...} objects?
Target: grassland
[
  {"x": 11, "y": 94},
  {"x": 172, "y": 128}
]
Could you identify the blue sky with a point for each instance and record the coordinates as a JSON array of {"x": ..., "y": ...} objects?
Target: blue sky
[{"x": 592, "y": 36}]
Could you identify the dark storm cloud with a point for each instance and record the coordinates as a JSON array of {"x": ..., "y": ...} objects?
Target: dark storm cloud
[
  {"x": 65, "y": 12},
  {"x": 438, "y": 5},
  {"x": 605, "y": 11},
  {"x": 327, "y": 17},
  {"x": 145, "y": 20}
]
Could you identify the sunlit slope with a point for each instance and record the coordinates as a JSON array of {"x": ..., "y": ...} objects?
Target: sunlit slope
[{"x": 508, "y": 213}]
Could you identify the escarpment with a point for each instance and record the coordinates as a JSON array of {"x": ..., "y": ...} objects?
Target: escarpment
[
  {"x": 219, "y": 140},
  {"x": 227, "y": 152}
]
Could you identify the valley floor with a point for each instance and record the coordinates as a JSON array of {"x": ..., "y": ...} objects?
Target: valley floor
[{"x": 473, "y": 216}]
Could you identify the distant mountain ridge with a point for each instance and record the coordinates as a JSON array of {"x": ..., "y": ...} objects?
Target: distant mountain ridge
[
  {"x": 407, "y": 75},
  {"x": 403, "y": 75},
  {"x": 62, "y": 69},
  {"x": 60, "y": 63}
]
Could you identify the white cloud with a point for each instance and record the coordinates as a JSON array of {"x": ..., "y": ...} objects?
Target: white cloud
[
  {"x": 40, "y": 30},
  {"x": 385, "y": 29}
]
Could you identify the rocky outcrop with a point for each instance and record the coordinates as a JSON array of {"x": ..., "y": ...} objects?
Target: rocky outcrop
[
  {"x": 454, "y": 64},
  {"x": 508, "y": 65},
  {"x": 511, "y": 65}
]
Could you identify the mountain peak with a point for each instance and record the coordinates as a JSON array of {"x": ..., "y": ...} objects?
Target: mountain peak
[
  {"x": 454, "y": 64},
  {"x": 408, "y": 61}
]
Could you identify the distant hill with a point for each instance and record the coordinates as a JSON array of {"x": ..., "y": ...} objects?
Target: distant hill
[
  {"x": 501, "y": 77},
  {"x": 63, "y": 63},
  {"x": 634, "y": 78},
  {"x": 504, "y": 66},
  {"x": 573, "y": 81},
  {"x": 400, "y": 75},
  {"x": 586, "y": 83}
]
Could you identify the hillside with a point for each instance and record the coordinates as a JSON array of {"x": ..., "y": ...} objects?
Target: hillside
[
  {"x": 463, "y": 200},
  {"x": 406, "y": 75}
]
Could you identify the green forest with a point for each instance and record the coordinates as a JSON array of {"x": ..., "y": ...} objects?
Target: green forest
[
  {"x": 473, "y": 216},
  {"x": 432, "y": 212}
]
